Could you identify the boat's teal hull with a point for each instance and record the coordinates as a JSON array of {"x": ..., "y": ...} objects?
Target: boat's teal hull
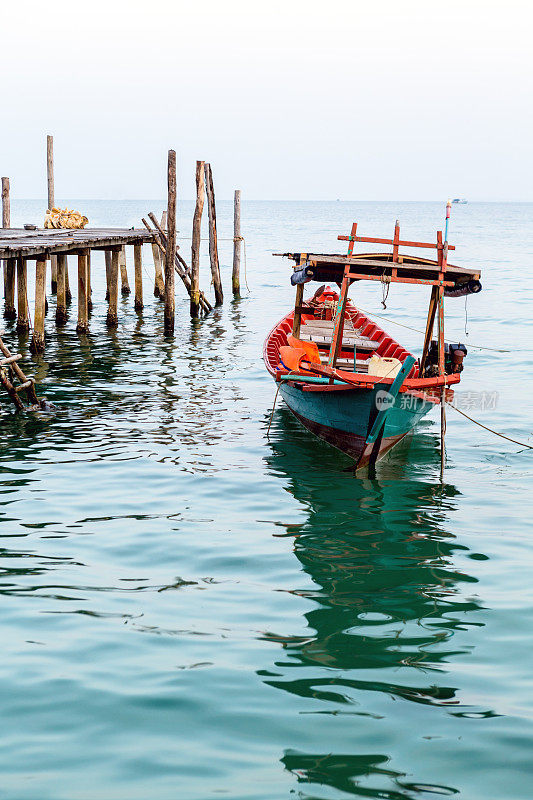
[{"x": 344, "y": 418}]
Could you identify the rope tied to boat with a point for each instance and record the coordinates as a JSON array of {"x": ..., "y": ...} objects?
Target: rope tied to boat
[
  {"x": 491, "y": 430},
  {"x": 385, "y": 283}
]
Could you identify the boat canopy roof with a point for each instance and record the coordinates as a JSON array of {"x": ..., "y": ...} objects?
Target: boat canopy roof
[{"x": 377, "y": 266}]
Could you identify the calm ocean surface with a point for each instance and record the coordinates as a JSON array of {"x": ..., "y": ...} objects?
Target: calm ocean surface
[{"x": 191, "y": 609}]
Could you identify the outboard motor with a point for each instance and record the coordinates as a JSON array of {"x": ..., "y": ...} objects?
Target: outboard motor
[{"x": 453, "y": 359}]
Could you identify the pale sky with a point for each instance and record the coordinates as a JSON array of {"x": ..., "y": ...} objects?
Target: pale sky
[{"x": 382, "y": 100}]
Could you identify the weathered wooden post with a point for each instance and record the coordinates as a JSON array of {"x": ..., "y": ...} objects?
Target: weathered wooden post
[
  {"x": 159, "y": 281},
  {"x": 68, "y": 293},
  {"x": 83, "y": 318},
  {"x": 108, "y": 255},
  {"x": 125, "y": 284},
  {"x": 61, "y": 308},
  {"x": 213, "y": 244},
  {"x": 37, "y": 340},
  {"x": 237, "y": 238},
  {"x": 23, "y": 317},
  {"x": 112, "y": 312},
  {"x": 138, "y": 266},
  {"x": 170, "y": 253},
  {"x": 9, "y": 264},
  {"x": 51, "y": 201},
  {"x": 89, "y": 289},
  {"x": 196, "y": 235},
  {"x": 9, "y": 306}
]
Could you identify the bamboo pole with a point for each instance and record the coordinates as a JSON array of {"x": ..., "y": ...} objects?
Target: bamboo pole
[
  {"x": 37, "y": 340},
  {"x": 170, "y": 255},
  {"x": 181, "y": 265},
  {"x": 61, "y": 308},
  {"x": 23, "y": 317},
  {"x": 237, "y": 239},
  {"x": 9, "y": 264},
  {"x": 83, "y": 318},
  {"x": 124, "y": 282},
  {"x": 196, "y": 236},
  {"x": 30, "y": 389},
  {"x": 213, "y": 244},
  {"x": 138, "y": 265},
  {"x": 112, "y": 312}
]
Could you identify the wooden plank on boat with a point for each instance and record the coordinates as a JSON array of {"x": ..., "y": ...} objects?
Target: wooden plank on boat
[
  {"x": 381, "y": 263},
  {"x": 320, "y": 337}
]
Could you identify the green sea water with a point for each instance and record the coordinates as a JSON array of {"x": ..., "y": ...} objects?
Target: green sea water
[{"x": 191, "y": 608}]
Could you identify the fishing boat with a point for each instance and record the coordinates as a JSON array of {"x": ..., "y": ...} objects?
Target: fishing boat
[
  {"x": 347, "y": 380},
  {"x": 460, "y": 200}
]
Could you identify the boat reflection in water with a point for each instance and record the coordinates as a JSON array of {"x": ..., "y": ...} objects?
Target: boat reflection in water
[{"x": 387, "y": 602}]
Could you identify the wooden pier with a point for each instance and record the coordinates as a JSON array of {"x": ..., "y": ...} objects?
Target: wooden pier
[
  {"x": 18, "y": 246},
  {"x": 64, "y": 236}
]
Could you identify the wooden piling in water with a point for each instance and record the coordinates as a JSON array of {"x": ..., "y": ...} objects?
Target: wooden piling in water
[
  {"x": 51, "y": 202},
  {"x": 196, "y": 237},
  {"x": 159, "y": 281},
  {"x": 68, "y": 293},
  {"x": 61, "y": 308},
  {"x": 124, "y": 282},
  {"x": 213, "y": 243},
  {"x": 138, "y": 267},
  {"x": 9, "y": 287},
  {"x": 112, "y": 312},
  {"x": 23, "y": 316},
  {"x": 170, "y": 254},
  {"x": 83, "y": 315},
  {"x": 9, "y": 264},
  {"x": 37, "y": 340},
  {"x": 236, "y": 273},
  {"x": 107, "y": 255},
  {"x": 89, "y": 289}
]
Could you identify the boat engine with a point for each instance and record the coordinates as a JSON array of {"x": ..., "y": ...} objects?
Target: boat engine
[{"x": 453, "y": 359}]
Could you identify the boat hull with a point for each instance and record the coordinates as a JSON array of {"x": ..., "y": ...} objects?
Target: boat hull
[{"x": 344, "y": 418}]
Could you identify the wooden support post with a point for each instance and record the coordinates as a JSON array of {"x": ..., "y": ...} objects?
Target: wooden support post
[
  {"x": 51, "y": 202},
  {"x": 138, "y": 266},
  {"x": 50, "y": 171},
  {"x": 89, "y": 289},
  {"x": 237, "y": 239},
  {"x": 213, "y": 244},
  {"x": 9, "y": 289},
  {"x": 9, "y": 265},
  {"x": 6, "y": 204},
  {"x": 338, "y": 326},
  {"x": 37, "y": 340},
  {"x": 108, "y": 255},
  {"x": 396, "y": 241},
  {"x": 170, "y": 253},
  {"x": 23, "y": 318},
  {"x": 125, "y": 285},
  {"x": 83, "y": 318},
  {"x": 429, "y": 327},
  {"x": 61, "y": 308},
  {"x": 53, "y": 275},
  {"x": 159, "y": 281},
  {"x": 112, "y": 312},
  {"x": 297, "y": 313},
  {"x": 68, "y": 293},
  {"x": 196, "y": 235},
  {"x": 297, "y": 319}
]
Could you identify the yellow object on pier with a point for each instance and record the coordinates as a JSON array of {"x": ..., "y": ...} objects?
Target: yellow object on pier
[{"x": 64, "y": 218}]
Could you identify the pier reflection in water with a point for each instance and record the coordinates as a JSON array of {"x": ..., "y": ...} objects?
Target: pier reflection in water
[{"x": 387, "y": 603}]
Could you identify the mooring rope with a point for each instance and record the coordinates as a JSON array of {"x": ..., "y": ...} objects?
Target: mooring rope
[
  {"x": 515, "y": 441},
  {"x": 385, "y": 283},
  {"x": 273, "y": 408},
  {"x": 416, "y": 330}
]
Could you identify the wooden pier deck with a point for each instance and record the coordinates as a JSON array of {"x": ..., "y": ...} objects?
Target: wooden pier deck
[{"x": 19, "y": 245}]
